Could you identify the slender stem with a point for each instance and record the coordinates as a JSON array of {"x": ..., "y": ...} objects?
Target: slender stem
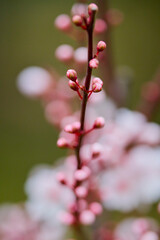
[
  {"x": 87, "y": 85},
  {"x": 89, "y": 30}
]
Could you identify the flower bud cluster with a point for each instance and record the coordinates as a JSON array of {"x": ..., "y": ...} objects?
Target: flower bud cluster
[
  {"x": 82, "y": 210},
  {"x": 87, "y": 212},
  {"x": 83, "y": 20},
  {"x": 93, "y": 63},
  {"x": 97, "y": 83}
]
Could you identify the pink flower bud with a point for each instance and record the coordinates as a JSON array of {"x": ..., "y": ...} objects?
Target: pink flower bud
[
  {"x": 73, "y": 85},
  {"x": 76, "y": 126},
  {"x": 72, "y": 128},
  {"x": 93, "y": 63},
  {"x": 82, "y": 174},
  {"x": 96, "y": 208},
  {"x": 64, "y": 53},
  {"x": 97, "y": 85},
  {"x": 63, "y": 22},
  {"x": 61, "y": 178},
  {"x": 67, "y": 218},
  {"x": 87, "y": 217},
  {"x": 96, "y": 150},
  {"x": 68, "y": 128},
  {"x": 99, "y": 122},
  {"x": 101, "y": 46},
  {"x": 72, "y": 74},
  {"x": 62, "y": 143},
  {"x": 149, "y": 236},
  {"x": 100, "y": 26},
  {"x": 92, "y": 8},
  {"x": 87, "y": 170},
  {"x": 77, "y": 20},
  {"x": 81, "y": 192}
]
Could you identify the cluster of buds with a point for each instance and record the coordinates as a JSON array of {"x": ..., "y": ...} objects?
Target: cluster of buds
[
  {"x": 81, "y": 20},
  {"x": 87, "y": 216},
  {"x": 87, "y": 211},
  {"x": 82, "y": 211},
  {"x": 75, "y": 128},
  {"x": 73, "y": 83},
  {"x": 93, "y": 63}
]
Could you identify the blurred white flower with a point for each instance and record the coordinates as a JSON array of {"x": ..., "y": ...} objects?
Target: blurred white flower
[
  {"x": 79, "y": 8},
  {"x": 16, "y": 224},
  {"x": 134, "y": 228},
  {"x": 80, "y": 55},
  {"x": 134, "y": 182},
  {"x": 34, "y": 81},
  {"x": 46, "y": 196}
]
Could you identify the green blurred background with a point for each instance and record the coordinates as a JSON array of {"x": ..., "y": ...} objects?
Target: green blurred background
[{"x": 28, "y": 38}]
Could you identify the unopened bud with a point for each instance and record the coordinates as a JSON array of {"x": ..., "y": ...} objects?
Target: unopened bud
[
  {"x": 76, "y": 126},
  {"x": 72, "y": 128},
  {"x": 62, "y": 143},
  {"x": 101, "y": 46},
  {"x": 96, "y": 150},
  {"x": 68, "y": 128},
  {"x": 81, "y": 192},
  {"x": 73, "y": 85},
  {"x": 72, "y": 75},
  {"x": 97, "y": 84},
  {"x": 99, "y": 122},
  {"x": 93, "y": 63},
  {"x": 87, "y": 217},
  {"x": 67, "y": 218},
  {"x": 96, "y": 208},
  {"x": 82, "y": 174},
  {"x": 92, "y": 8},
  {"x": 61, "y": 178},
  {"x": 77, "y": 20}
]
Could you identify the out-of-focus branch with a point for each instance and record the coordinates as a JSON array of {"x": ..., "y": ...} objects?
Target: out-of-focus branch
[{"x": 150, "y": 96}]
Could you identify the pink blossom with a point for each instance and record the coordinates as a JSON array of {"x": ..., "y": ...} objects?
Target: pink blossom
[
  {"x": 80, "y": 55},
  {"x": 64, "y": 53},
  {"x": 96, "y": 208},
  {"x": 55, "y": 114},
  {"x": 63, "y": 22},
  {"x": 100, "y": 26}
]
